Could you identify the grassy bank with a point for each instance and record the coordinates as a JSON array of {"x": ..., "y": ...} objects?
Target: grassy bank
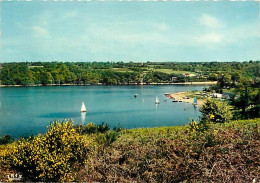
[{"x": 223, "y": 153}]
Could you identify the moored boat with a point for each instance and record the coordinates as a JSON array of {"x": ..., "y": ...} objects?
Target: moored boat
[
  {"x": 157, "y": 100},
  {"x": 83, "y": 108},
  {"x": 195, "y": 103}
]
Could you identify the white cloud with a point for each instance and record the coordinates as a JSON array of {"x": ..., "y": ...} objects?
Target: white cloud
[
  {"x": 210, "y": 38},
  {"x": 210, "y": 21},
  {"x": 243, "y": 32},
  {"x": 40, "y": 32},
  {"x": 126, "y": 33}
]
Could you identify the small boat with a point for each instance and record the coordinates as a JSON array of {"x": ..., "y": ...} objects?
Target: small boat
[
  {"x": 174, "y": 100},
  {"x": 180, "y": 100},
  {"x": 83, "y": 108},
  {"x": 167, "y": 94},
  {"x": 195, "y": 102},
  {"x": 157, "y": 100}
]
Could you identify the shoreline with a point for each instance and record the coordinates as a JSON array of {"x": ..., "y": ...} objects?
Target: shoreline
[
  {"x": 180, "y": 95},
  {"x": 121, "y": 84}
]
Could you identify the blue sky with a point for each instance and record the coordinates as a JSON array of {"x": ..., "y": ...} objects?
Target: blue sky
[{"x": 129, "y": 31}]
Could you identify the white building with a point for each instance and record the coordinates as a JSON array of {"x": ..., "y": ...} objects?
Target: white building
[{"x": 217, "y": 95}]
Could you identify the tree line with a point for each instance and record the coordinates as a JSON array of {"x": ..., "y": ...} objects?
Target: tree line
[{"x": 113, "y": 73}]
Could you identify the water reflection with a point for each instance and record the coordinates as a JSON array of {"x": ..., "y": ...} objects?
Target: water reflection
[
  {"x": 156, "y": 106},
  {"x": 83, "y": 117},
  {"x": 195, "y": 107}
]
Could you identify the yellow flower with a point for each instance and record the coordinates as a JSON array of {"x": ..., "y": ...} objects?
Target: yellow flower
[{"x": 211, "y": 116}]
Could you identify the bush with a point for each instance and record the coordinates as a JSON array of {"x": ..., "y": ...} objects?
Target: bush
[
  {"x": 6, "y": 139},
  {"x": 202, "y": 126},
  {"x": 91, "y": 128},
  {"x": 108, "y": 138},
  {"x": 215, "y": 111},
  {"x": 50, "y": 157},
  {"x": 117, "y": 129},
  {"x": 102, "y": 128},
  {"x": 193, "y": 126},
  {"x": 88, "y": 129}
]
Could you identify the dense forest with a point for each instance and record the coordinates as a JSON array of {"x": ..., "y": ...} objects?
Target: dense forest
[{"x": 114, "y": 73}]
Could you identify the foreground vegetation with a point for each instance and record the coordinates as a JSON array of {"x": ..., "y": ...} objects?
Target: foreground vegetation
[
  {"x": 113, "y": 73},
  {"x": 224, "y": 152}
]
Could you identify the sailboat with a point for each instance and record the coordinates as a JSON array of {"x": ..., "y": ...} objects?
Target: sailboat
[
  {"x": 157, "y": 100},
  {"x": 195, "y": 101},
  {"x": 83, "y": 108}
]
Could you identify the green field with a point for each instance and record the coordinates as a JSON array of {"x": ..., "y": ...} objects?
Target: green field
[
  {"x": 167, "y": 71},
  {"x": 170, "y": 71},
  {"x": 118, "y": 69},
  {"x": 122, "y": 70}
]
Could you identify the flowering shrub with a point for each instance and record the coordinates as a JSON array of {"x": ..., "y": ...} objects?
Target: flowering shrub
[
  {"x": 215, "y": 111},
  {"x": 202, "y": 126},
  {"x": 51, "y": 157},
  {"x": 193, "y": 126}
]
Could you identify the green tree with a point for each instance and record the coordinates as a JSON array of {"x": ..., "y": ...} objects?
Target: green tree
[
  {"x": 91, "y": 78},
  {"x": 46, "y": 78},
  {"x": 213, "y": 77},
  {"x": 245, "y": 96},
  {"x": 148, "y": 78},
  {"x": 234, "y": 78},
  {"x": 215, "y": 111},
  {"x": 224, "y": 81}
]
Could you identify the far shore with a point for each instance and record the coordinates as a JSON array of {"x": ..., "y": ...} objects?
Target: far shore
[{"x": 103, "y": 84}]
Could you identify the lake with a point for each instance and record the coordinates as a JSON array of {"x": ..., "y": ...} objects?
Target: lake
[{"x": 28, "y": 110}]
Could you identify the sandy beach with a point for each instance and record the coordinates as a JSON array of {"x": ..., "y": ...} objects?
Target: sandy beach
[{"x": 180, "y": 95}]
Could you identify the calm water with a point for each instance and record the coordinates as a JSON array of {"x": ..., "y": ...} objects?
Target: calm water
[{"x": 28, "y": 110}]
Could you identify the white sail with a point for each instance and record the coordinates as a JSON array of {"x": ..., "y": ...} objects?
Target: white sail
[
  {"x": 83, "y": 108},
  {"x": 157, "y": 100}
]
